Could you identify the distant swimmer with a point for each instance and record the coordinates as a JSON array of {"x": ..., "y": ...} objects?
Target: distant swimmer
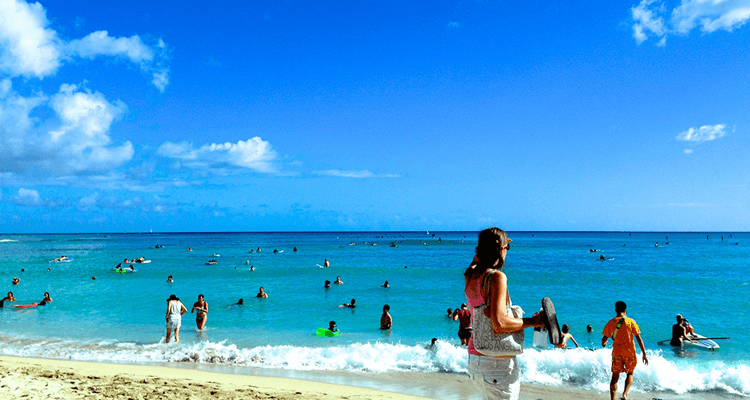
[
  {"x": 326, "y": 264},
  {"x": 332, "y": 326},
  {"x": 566, "y": 335},
  {"x": 294, "y": 249},
  {"x": 247, "y": 262},
  {"x": 386, "y": 285},
  {"x": 240, "y": 302},
  {"x": 275, "y": 251},
  {"x": 432, "y": 345},
  {"x": 656, "y": 244},
  {"x": 602, "y": 258},
  {"x": 262, "y": 293},
  {"x": 202, "y": 312},
  {"x": 16, "y": 280},
  {"x": 349, "y": 305},
  {"x": 589, "y": 329},
  {"x": 386, "y": 321},
  {"x": 338, "y": 281},
  {"x": 169, "y": 279},
  {"x": 450, "y": 313},
  {"x": 190, "y": 249},
  {"x": 252, "y": 268},
  {"x": 327, "y": 284},
  {"x": 9, "y": 297},
  {"x": 46, "y": 298}
]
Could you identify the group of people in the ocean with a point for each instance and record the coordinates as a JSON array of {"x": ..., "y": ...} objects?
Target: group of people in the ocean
[{"x": 10, "y": 297}]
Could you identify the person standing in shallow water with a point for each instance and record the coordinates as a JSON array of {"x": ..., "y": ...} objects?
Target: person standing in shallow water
[
  {"x": 495, "y": 377},
  {"x": 175, "y": 310},
  {"x": 201, "y": 316},
  {"x": 622, "y": 330}
]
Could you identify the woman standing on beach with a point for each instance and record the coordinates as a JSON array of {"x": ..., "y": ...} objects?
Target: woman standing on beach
[
  {"x": 175, "y": 309},
  {"x": 495, "y": 377}
]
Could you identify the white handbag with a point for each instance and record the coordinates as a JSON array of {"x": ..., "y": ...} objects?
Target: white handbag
[{"x": 486, "y": 340}]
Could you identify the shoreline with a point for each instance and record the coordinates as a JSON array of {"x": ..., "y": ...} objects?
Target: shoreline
[{"x": 64, "y": 379}]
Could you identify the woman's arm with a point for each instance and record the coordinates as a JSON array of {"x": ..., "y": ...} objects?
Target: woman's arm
[
  {"x": 501, "y": 322},
  {"x": 183, "y": 310}
]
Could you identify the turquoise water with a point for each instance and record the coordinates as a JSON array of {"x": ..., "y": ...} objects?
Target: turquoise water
[{"x": 120, "y": 317}]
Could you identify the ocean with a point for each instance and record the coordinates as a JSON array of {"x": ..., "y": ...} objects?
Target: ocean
[{"x": 120, "y": 317}]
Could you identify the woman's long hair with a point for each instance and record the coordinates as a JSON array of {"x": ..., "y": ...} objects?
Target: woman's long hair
[{"x": 491, "y": 241}]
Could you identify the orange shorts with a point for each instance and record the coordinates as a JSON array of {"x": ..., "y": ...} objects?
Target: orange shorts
[{"x": 623, "y": 364}]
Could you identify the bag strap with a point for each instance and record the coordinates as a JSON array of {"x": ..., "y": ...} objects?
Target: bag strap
[
  {"x": 485, "y": 283},
  {"x": 619, "y": 324}
]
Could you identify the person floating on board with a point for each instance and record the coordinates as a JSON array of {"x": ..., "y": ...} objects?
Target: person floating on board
[
  {"x": 622, "y": 330},
  {"x": 679, "y": 332},
  {"x": 332, "y": 326}
]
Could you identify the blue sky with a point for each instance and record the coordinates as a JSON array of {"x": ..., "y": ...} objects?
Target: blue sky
[{"x": 374, "y": 115}]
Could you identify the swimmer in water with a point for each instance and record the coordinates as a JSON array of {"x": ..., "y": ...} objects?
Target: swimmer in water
[
  {"x": 46, "y": 298},
  {"x": 566, "y": 335},
  {"x": 386, "y": 285},
  {"x": 16, "y": 280},
  {"x": 338, "y": 281},
  {"x": 262, "y": 293},
  {"x": 327, "y": 284},
  {"x": 252, "y": 268},
  {"x": 201, "y": 316},
  {"x": 332, "y": 326},
  {"x": 326, "y": 263},
  {"x": 348, "y": 305},
  {"x": 450, "y": 313}
]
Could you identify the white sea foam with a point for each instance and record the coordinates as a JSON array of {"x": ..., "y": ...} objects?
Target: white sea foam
[
  {"x": 577, "y": 368},
  {"x": 7, "y": 240}
]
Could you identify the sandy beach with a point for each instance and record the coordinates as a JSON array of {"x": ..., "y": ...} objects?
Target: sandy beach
[{"x": 35, "y": 378}]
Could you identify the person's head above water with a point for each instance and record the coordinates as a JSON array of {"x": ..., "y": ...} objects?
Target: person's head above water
[
  {"x": 565, "y": 328},
  {"x": 241, "y": 302}
]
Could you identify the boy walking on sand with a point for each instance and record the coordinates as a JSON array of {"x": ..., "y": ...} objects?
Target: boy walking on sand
[{"x": 622, "y": 330}]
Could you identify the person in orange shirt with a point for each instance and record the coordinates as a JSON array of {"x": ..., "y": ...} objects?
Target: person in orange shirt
[{"x": 622, "y": 330}]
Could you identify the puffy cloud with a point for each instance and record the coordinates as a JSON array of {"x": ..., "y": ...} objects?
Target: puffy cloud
[
  {"x": 27, "y": 46},
  {"x": 75, "y": 139},
  {"x": 30, "y": 48},
  {"x": 709, "y": 15},
  {"x": 646, "y": 22},
  {"x": 355, "y": 174},
  {"x": 703, "y": 134},
  {"x": 688, "y": 151},
  {"x": 27, "y": 197},
  {"x": 254, "y": 154}
]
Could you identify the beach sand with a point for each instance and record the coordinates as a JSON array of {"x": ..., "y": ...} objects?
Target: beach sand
[{"x": 33, "y": 378}]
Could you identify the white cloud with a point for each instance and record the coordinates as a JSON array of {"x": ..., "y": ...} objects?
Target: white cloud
[
  {"x": 27, "y": 47},
  {"x": 30, "y": 48},
  {"x": 453, "y": 25},
  {"x": 709, "y": 15},
  {"x": 355, "y": 174},
  {"x": 254, "y": 154},
  {"x": 688, "y": 151},
  {"x": 27, "y": 197},
  {"x": 646, "y": 22},
  {"x": 703, "y": 134},
  {"x": 74, "y": 139}
]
